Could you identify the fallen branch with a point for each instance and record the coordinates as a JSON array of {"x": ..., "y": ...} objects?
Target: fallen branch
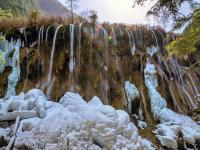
[
  {"x": 12, "y": 140},
  {"x": 22, "y": 115}
]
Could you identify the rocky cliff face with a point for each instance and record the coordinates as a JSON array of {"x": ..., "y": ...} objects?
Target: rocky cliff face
[{"x": 99, "y": 60}]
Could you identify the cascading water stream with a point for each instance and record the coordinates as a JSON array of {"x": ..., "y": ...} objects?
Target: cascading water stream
[
  {"x": 71, "y": 63},
  {"x": 114, "y": 37},
  {"x": 103, "y": 78},
  {"x": 27, "y": 69},
  {"x": 133, "y": 46},
  {"x": 79, "y": 36},
  {"x": 49, "y": 84},
  {"x": 46, "y": 36},
  {"x": 39, "y": 57},
  {"x": 129, "y": 38},
  {"x": 153, "y": 49}
]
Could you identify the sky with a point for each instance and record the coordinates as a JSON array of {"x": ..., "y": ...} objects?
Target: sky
[
  {"x": 121, "y": 11},
  {"x": 116, "y": 11}
]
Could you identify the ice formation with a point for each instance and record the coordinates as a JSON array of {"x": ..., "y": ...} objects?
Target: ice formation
[
  {"x": 152, "y": 50},
  {"x": 6, "y": 48},
  {"x": 71, "y": 123},
  {"x": 132, "y": 94},
  {"x": 13, "y": 78},
  {"x": 173, "y": 127}
]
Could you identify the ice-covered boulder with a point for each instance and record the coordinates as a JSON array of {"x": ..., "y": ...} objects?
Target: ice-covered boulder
[
  {"x": 29, "y": 105},
  {"x": 74, "y": 124}
]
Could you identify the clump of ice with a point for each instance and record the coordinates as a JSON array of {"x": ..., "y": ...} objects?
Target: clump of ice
[
  {"x": 173, "y": 125},
  {"x": 71, "y": 124},
  {"x": 152, "y": 50},
  {"x": 13, "y": 78},
  {"x": 132, "y": 94}
]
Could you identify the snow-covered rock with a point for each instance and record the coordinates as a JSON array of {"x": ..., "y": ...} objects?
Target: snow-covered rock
[
  {"x": 173, "y": 126},
  {"x": 72, "y": 123}
]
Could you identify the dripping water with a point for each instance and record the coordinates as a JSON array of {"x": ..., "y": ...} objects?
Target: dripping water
[
  {"x": 114, "y": 37},
  {"x": 39, "y": 57},
  {"x": 133, "y": 46},
  {"x": 51, "y": 62},
  {"x": 71, "y": 63},
  {"x": 27, "y": 70}
]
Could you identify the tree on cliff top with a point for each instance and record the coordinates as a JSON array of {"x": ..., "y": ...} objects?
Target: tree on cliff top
[
  {"x": 188, "y": 41},
  {"x": 72, "y": 4}
]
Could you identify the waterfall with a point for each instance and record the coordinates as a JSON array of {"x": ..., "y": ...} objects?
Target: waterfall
[
  {"x": 114, "y": 37},
  {"x": 71, "y": 63},
  {"x": 155, "y": 37},
  {"x": 51, "y": 61},
  {"x": 24, "y": 32},
  {"x": 133, "y": 46},
  {"x": 27, "y": 69},
  {"x": 79, "y": 36},
  {"x": 92, "y": 33},
  {"x": 153, "y": 49},
  {"x": 39, "y": 55},
  {"x": 129, "y": 38},
  {"x": 39, "y": 38},
  {"x": 105, "y": 36},
  {"x": 163, "y": 43},
  {"x": 46, "y": 36}
]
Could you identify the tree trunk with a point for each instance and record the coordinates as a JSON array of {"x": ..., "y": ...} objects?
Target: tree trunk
[{"x": 72, "y": 11}]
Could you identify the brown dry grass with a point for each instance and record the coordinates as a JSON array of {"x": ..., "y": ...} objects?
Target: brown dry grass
[{"x": 9, "y": 23}]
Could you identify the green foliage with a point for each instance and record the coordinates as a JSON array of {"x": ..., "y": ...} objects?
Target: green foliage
[
  {"x": 168, "y": 9},
  {"x": 2, "y": 38},
  {"x": 19, "y": 7},
  {"x": 189, "y": 41},
  {"x": 5, "y": 13},
  {"x": 2, "y": 60}
]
